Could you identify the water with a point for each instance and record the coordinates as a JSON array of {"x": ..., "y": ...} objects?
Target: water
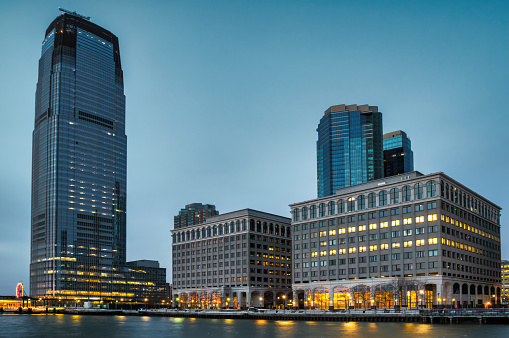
[{"x": 54, "y": 325}]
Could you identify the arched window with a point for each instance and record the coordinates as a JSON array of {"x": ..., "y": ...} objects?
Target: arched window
[
  {"x": 226, "y": 229},
  {"x": 332, "y": 208},
  {"x": 209, "y": 232},
  {"x": 442, "y": 189},
  {"x": 232, "y": 227},
  {"x": 237, "y": 225},
  {"x": 258, "y": 226},
  {"x": 431, "y": 189},
  {"x": 304, "y": 213},
  {"x": 372, "y": 200},
  {"x": 244, "y": 225},
  {"x": 351, "y": 204},
  {"x": 447, "y": 190},
  {"x": 283, "y": 231},
  {"x": 198, "y": 234},
  {"x": 321, "y": 210},
  {"x": 418, "y": 191},
  {"x": 214, "y": 230},
  {"x": 312, "y": 211},
  {"x": 382, "y": 198},
  {"x": 251, "y": 225},
  {"x": 288, "y": 232},
  {"x": 394, "y": 195},
  {"x": 407, "y": 195},
  {"x": 271, "y": 229},
  {"x": 220, "y": 229},
  {"x": 296, "y": 215},
  {"x": 361, "y": 203},
  {"x": 203, "y": 232},
  {"x": 277, "y": 229},
  {"x": 341, "y": 206},
  {"x": 178, "y": 237}
]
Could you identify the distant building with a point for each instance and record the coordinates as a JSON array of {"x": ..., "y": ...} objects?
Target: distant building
[
  {"x": 238, "y": 259},
  {"x": 398, "y": 154},
  {"x": 505, "y": 282},
  {"x": 411, "y": 240},
  {"x": 194, "y": 213},
  {"x": 349, "y": 147}
]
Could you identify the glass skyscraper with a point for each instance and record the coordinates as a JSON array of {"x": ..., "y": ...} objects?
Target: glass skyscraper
[
  {"x": 398, "y": 154},
  {"x": 349, "y": 147},
  {"x": 78, "y": 220}
]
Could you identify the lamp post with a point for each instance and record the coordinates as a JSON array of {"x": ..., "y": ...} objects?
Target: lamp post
[
  {"x": 421, "y": 292},
  {"x": 261, "y": 302},
  {"x": 453, "y": 303},
  {"x": 146, "y": 304},
  {"x": 227, "y": 302},
  {"x": 439, "y": 300},
  {"x": 284, "y": 299}
]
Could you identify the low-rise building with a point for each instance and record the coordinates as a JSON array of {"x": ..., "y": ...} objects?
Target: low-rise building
[
  {"x": 408, "y": 240},
  {"x": 238, "y": 259}
]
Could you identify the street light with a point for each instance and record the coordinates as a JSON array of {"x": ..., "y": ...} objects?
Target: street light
[
  {"x": 453, "y": 302},
  {"x": 227, "y": 302},
  {"x": 261, "y": 299},
  {"x": 421, "y": 292},
  {"x": 146, "y": 303},
  {"x": 284, "y": 299}
]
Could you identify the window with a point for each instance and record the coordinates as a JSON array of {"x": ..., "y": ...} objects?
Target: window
[
  {"x": 362, "y": 238},
  {"x": 419, "y": 242},
  {"x": 432, "y": 240},
  {"x": 362, "y": 249},
  {"x": 304, "y": 213},
  {"x": 323, "y": 253},
  {"x": 419, "y": 219},
  {"x": 332, "y": 208},
  {"x": 361, "y": 217},
  {"x": 372, "y": 215},
  {"x": 394, "y": 192},
  {"x": 432, "y": 205},
  {"x": 296, "y": 215},
  {"x": 384, "y": 235},
  {"x": 407, "y": 221},
  {"x": 407, "y": 232},
  {"x": 312, "y": 211},
  {"x": 372, "y": 200},
  {"x": 419, "y": 231},
  {"x": 407, "y": 255},
  {"x": 419, "y": 207},
  {"x": 384, "y": 213},
  {"x": 351, "y": 229},
  {"x": 431, "y": 189},
  {"x": 395, "y": 256},
  {"x": 321, "y": 210},
  {"x": 314, "y": 254},
  {"x": 395, "y": 223},
  {"x": 394, "y": 212},
  {"x": 351, "y": 204},
  {"x": 332, "y": 252},
  {"x": 341, "y": 231},
  {"x": 372, "y": 248},
  {"x": 352, "y": 250},
  {"x": 372, "y": 237},
  {"x": 418, "y": 191},
  {"x": 407, "y": 244},
  {"x": 384, "y": 246},
  {"x": 395, "y": 234},
  {"x": 433, "y": 228},
  {"x": 382, "y": 198},
  {"x": 432, "y": 253},
  {"x": 406, "y": 193},
  {"x": 341, "y": 207},
  {"x": 373, "y": 258},
  {"x": 432, "y": 217},
  {"x": 323, "y": 233},
  {"x": 332, "y": 232},
  {"x": 342, "y": 252},
  {"x": 419, "y": 254},
  {"x": 362, "y": 228},
  {"x": 384, "y": 225},
  {"x": 361, "y": 202},
  {"x": 372, "y": 226},
  {"x": 396, "y": 245}
]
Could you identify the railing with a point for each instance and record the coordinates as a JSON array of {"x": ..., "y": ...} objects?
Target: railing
[{"x": 465, "y": 312}]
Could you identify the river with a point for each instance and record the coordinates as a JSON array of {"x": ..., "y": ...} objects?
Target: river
[{"x": 57, "y": 325}]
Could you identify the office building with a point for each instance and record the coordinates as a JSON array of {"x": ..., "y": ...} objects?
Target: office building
[
  {"x": 505, "y": 282},
  {"x": 237, "y": 259},
  {"x": 194, "y": 213},
  {"x": 78, "y": 217},
  {"x": 398, "y": 154},
  {"x": 349, "y": 147},
  {"x": 409, "y": 240}
]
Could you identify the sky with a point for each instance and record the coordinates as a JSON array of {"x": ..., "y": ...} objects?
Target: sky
[{"x": 223, "y": 99}]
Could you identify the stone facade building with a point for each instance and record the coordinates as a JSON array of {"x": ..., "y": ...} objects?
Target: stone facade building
[
  {"x": 408, "y": 240},
  {"x": 237, "y": 259}
]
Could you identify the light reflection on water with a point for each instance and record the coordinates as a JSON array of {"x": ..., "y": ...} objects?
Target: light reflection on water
[{"x": 136, "y": 326}]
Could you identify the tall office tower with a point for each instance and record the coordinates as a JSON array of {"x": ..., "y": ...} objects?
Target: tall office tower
[
  {"x": 398, "y": 154},
  {"x": 78, "y": 161},
  {"x": 194, "y": 213},
  {"x": 349, "y": 147}
]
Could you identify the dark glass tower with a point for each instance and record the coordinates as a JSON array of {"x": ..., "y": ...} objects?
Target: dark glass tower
[
  {"x": 349, "y": 147},
  {"x": 78, "y": 233},
  {"x": 398, "y": 154},
  {"x": 194, "y": 213}
]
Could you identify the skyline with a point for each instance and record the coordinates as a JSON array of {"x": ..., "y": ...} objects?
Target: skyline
[{"x": 283, "y": 74}]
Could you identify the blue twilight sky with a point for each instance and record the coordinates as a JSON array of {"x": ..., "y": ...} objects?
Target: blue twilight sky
[{"x": 224, "y": 97}]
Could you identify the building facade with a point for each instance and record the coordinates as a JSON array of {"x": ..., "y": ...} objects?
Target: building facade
[
  {"x": 398, "y": 154},
  {"x": 505, "y": 282},
  {"x": 409, "y": 240},
  {"x": 194, "y": 213},
  {"x": 237, "y": 259},
  {"x": 79, "y": 164},
  {"x": 349, "y": 147}
]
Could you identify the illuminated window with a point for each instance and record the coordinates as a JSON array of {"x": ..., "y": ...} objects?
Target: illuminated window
[
  {"x": 432, "y": 240},
  {"x": 419, "y": 219},
  {"x": 351, "y": 229},
  {"x": 352, "y": 250},
  {"x": 323, "y": 243},
  {"x": 372, "y": 248},
  {"x": 342, "y": 251},
  {"x": 372, "y": 226},
  {"x": 362, "y": 228},
  {"x": 396, "y": 245},
  {"x": 314, "y": 254},
  {"x": 407, "y": 244},
  {"x": 384, "y": 225},
  {"x": 432, "y": 217},
  {"x": 362, "y": 249},
  {"x": 323, "y": 253},
  {"x": 323, "y": 233},
  {"x": 341, "y": 231},
  {"x": 332, "y": 252},
  {"x": 407, "y": 221},
  {"x": 332, "y": 232},
  {"x": 419, "y": 242},
  {"x": 384, "y": 246},
  {"x": 395, "y": 223}
]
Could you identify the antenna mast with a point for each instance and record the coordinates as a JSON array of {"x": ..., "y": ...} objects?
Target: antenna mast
[{"x": 74, "y": 14}]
